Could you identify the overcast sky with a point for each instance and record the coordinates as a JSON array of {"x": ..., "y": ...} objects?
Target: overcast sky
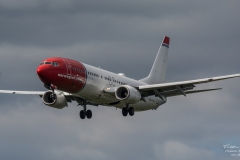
[{"x": 120, "y": 36}]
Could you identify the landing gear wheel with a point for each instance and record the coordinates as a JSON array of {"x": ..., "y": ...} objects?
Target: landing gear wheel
[
  {"x": 124, "y": 111},
  {"x": 131, "y": 111},
  {"x": 85, "y": 113},
  {"x": 89, "y": 114},
  {"x": 82, "y": 114}
]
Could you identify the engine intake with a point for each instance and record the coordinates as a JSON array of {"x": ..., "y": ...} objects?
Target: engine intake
[
  {"x": 56, "y": 100},
  {"x": 128, "y": 94}
]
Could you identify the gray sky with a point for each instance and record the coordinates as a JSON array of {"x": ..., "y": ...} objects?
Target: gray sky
[{"x": 120, "y": 36}]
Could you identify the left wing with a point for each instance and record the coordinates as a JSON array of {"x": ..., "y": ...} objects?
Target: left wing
[
  {"x": 40, "y": 93},
  {"x": 69, "y": 97},
  {"x": 179, "y": 88}
]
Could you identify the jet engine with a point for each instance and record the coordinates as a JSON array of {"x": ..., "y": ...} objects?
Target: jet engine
[
  {"x": 128, "y": 94},
  {"x": 55, "y": 100}
]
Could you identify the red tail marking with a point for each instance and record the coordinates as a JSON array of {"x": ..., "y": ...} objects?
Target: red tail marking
[{"x": 166, "y": 40}]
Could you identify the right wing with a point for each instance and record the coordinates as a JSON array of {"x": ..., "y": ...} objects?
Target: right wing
[{"x": 179, "y": 88}]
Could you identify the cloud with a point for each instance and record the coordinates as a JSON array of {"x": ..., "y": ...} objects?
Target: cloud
[{"x": 176, "y": 150}]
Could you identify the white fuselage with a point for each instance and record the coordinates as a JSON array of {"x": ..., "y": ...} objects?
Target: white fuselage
[{"x": 98, "y": 79}]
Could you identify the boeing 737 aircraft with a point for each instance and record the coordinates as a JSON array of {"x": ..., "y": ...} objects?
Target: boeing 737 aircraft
[{"x": 68, "y": 80}]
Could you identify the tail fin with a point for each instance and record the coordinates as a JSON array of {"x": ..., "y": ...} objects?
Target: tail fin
[{"x": 159, "y": 68}]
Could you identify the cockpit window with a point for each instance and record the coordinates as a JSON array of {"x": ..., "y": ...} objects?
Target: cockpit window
[
  {"x": 52, "y": 63},
  {"x": 55, "y": 63}
]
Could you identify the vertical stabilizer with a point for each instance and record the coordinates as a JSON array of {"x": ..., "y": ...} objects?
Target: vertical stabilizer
[{"x": 159, "y": 68}]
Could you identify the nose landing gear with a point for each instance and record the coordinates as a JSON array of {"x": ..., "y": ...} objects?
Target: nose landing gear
[{"x": 52, "y": 87}]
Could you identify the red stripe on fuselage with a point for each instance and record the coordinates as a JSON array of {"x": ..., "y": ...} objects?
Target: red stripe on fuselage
[{"x": 69, "y": 75}]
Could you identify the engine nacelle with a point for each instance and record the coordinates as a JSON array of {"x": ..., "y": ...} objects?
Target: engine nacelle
[
  {"x": 56, "y": 101},
  {"x": 128, "y": 94}
]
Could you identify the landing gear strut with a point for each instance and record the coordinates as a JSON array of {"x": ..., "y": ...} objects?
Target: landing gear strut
[
  {"x": 53, "y": 96},
  {"x": 127, "y": 110},
  {"x": 83, "y": 113}
]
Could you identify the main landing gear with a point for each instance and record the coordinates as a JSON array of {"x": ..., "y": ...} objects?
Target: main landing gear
[
  {"x": 127, "y": 110},
  {"x": 85, "y": 113}
]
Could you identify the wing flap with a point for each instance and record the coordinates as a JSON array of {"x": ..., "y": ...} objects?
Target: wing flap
[{"x": 177, "y": 93}]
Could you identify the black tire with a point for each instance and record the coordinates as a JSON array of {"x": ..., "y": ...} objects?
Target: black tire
[
  {"x": 89, "y": 114},
  {"x": 124, "y": 111},
  {"x": 131, "y": 111},
  {"x": 82, "y": 114}
]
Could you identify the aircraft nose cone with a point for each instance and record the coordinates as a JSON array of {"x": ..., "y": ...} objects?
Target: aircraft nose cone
[
  {"x": 42, "y": 72},
  {"x": 39, "y": 70}
]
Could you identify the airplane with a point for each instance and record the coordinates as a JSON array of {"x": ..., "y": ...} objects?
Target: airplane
[{"x": 68, "y": 80}]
